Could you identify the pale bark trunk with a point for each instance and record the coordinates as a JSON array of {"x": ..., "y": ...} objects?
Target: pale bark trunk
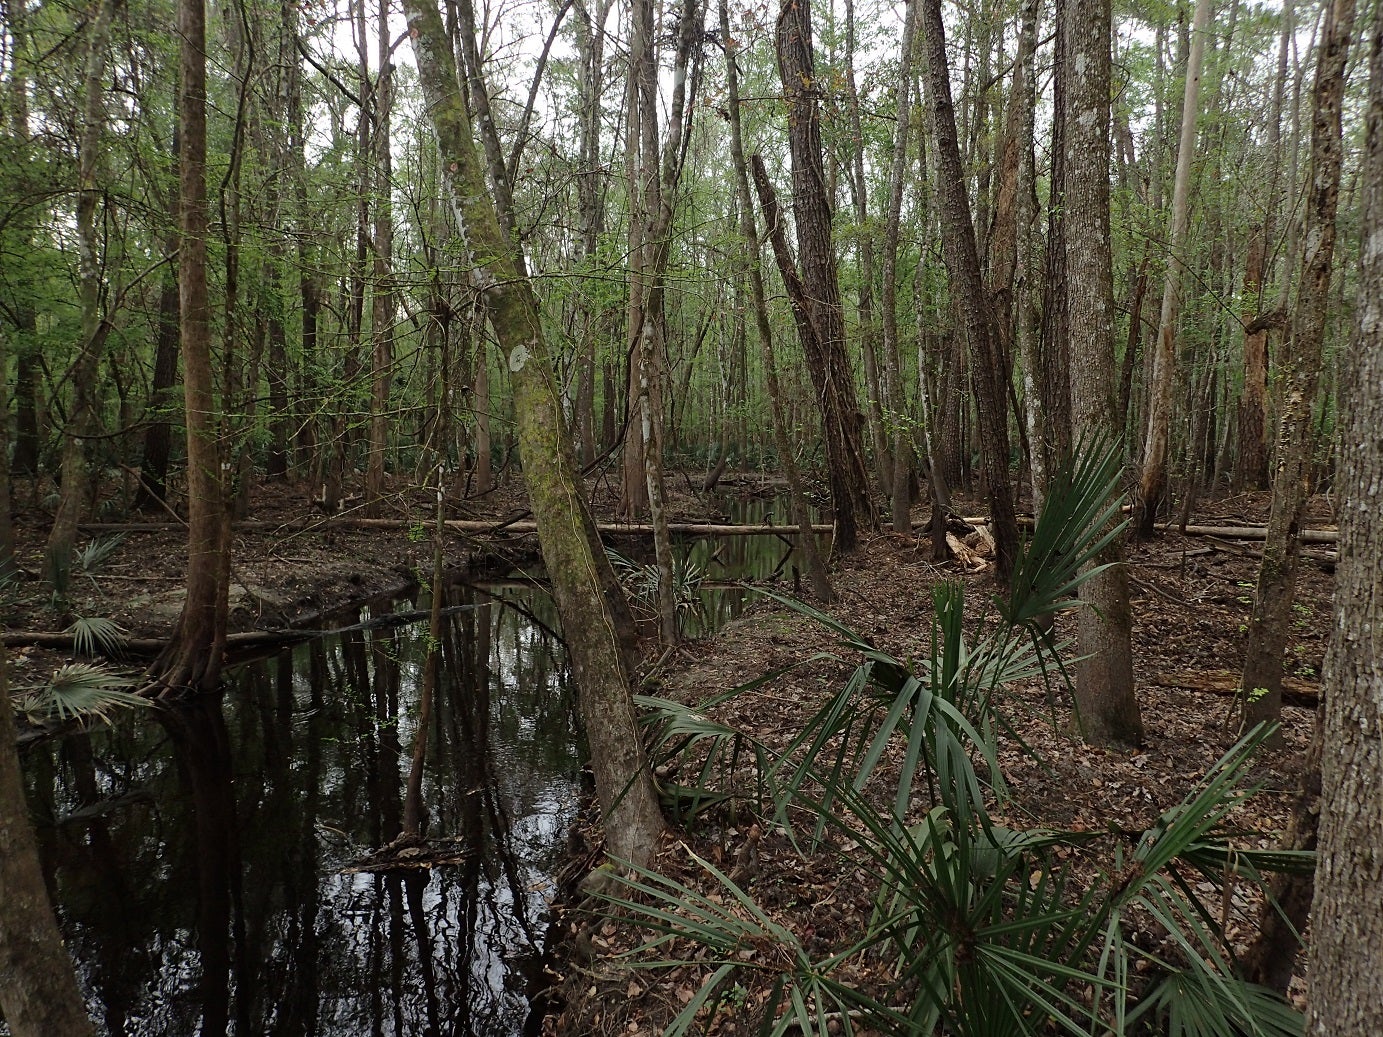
[
  {"x": 1270, "y": 620},
  {"x": 38, "y": 990},
  {"x": 1104, "y": 691},
  {"x": 629, "y": 803},
  {"x": 1346, "y": 967},
  {"x": 1153, "y": 481}
]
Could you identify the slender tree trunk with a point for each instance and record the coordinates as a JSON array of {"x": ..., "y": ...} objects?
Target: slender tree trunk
[
  {"x": 826, "y": 357},
  {"x": 1153, "y": 481},
  {"x": 383, "y": 301},
  {"x": 7, "y": 563},
  {"x": 1104, "y": 691},
  {"x": 193, "y": 657},
  {"x": 963, "y": 266},
  {"x": 1270, "y": 619},
  {"x": 806, "y": 537},
  {"x": 899, "y": 483},
  {"x": 158, "y": 438},
  {"x": 629, "y": 803},
  {"x": 82, "y": 417},
  {"x": 38, "y": 990},
  {"x": 1346, "y": 967}
]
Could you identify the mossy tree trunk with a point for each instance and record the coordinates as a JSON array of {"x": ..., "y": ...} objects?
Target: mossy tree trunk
[
  {"x": 1300, "y": 368},
  {"x": 579, "y": 570}
]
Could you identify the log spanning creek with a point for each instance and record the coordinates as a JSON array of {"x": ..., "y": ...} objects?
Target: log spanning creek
[{"x": 202, "y": 857}]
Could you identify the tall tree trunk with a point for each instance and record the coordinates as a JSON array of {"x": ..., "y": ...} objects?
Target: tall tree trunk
[
  {"x": 382, "y": 301},
  {"x": 193, "y": 657},
  {"x": 1104, "y": 692},
  {"x": 39, "y": 996},
  {"x": 899, "y": 483},
  {"x": 826, "y": 360},
  {"x": 7, "y": 564},
  {"x": 801, "y": 513},
  {"x": 158, "y": 437},
  {"x": 1153, "y": 480},
  {"x": 1346, "y": 966},
  {"x": 967, "y": 288},
  {"x": 1270, "y": 619},
  {"x": 624, "y": 786},
  {"x": 82, "y": 416}
]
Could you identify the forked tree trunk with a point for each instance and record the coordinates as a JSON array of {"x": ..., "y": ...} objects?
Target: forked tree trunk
[
  {"x": 826, "y": 357},
  {"x": 38, "y": 989},
  {"x": 1104, "y": 692},
  {"x": 1271, "y": 617},
  {"x": 1346, "y": 970},
  {"x": 624, "y": 786},
  {"x": 963, "y": 266}
]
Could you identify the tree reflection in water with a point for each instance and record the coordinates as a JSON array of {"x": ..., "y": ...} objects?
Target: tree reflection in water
[{"x": 196, "y": 857}]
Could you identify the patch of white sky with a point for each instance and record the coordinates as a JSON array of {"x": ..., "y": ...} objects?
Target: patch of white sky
[{"x": 513, "y": 33}]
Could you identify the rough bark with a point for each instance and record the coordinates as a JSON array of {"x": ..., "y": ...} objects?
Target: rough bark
[
  {"x": 827, "y": 361},
  {"x": 1300, "y": 371},
  {"x": 38, "y": 990},
  {"x": 1346, "y": 967},
  {"x": 629, "y": 803},
  {"x": 801, "y": 513},
  {"x": 967, "y": 289},
  {"x": 1104, "y": 691},
  {"x": 1153, "y": 480}
]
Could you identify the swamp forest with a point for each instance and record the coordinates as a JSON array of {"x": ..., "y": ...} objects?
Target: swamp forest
[{"x": 553, "y": 517}]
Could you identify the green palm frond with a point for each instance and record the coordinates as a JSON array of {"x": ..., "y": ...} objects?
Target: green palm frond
[
  {"x": 1076, "y": 524},
  {"x": 97, "y": 635},
  {"x": 95, "y": 554},
  {"x": 79, "y": 691}
]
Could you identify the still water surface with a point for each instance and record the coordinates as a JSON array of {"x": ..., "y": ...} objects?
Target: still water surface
[{"x": 198, "y": 855}]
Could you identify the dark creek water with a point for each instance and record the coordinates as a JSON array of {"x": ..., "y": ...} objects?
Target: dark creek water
[{"x": 199, "y": 856}]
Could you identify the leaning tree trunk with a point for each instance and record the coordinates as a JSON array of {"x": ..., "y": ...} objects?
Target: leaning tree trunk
[
  {"x": 1270, "y": 620},
  {"x": 38, "y": 991},
  {"x": 624, "y": 786},
  {"x": 801, "y": 513},
  {"x": 1104, "y": 694},
  {"x": 1153, "y": 481},
  {"x": 963, "y": 266},
  {"x": 193, "y": 657},
  {"x": 826, "y": 357},
  {"x": 1347, "y": 927}
]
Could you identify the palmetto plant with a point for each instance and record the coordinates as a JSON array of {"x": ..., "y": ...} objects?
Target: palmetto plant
[
  {"x": 988, "y": 931},
  {"x": 79, "y": 691},
  {"x": 640, "y": 582},
  {"x": 96, "y": 635}
]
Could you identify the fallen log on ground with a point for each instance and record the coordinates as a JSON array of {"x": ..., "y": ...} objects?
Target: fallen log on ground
[{"x": 1305, "y": 694}]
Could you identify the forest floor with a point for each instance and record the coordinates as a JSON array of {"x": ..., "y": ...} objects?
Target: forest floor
[{"x": 1191, "y": 602}]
